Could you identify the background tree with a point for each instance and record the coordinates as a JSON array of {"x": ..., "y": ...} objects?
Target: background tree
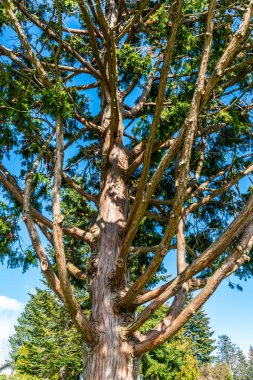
[
  {"x": 215, "y": 372},
  {"x": 240, "y": 372},
  {"x": 230, "y": 355},
  {"x": 144, "y": 110},
  {"x": 172, "y": 360},
  {"x": 250, "y": 364},
  {"x": 46, "y": 344},
  {"x": 41, "y": 346},
  {"x": 227, "y": 352},
  {"x": 199, "y": 331}
]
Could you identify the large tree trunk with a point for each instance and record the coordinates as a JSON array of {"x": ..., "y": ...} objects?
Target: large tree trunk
[{"x": 111, "y": 358}]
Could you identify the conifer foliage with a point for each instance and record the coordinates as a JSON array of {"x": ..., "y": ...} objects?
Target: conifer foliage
[
  {"x": 199, "y": 331},
  {"x": 46, "y": 344},
  {"x": 143, "y": 109},
  {"x": 249, "y": 373}
]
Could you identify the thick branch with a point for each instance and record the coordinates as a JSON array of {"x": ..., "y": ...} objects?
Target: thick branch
[
  {"x": 149, "y": 146},
  {"x": 207, "y": 257},
  {"x": 184, "y": 165},
  {"x": 238, "y": 256},
  {"x": 17, "y": 194},
  {"x": 76, "y": 272},
  {"x": 75, "y": 310}
]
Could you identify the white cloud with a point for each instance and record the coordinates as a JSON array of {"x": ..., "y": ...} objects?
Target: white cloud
[
  {"x": 7, "y": 303},
  {"x": 10, "y": 309}
]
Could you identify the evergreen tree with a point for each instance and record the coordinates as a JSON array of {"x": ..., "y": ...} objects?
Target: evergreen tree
[
  {"x": 144, "y": 109},
  {"x": 240, "y": 371},
  {"x": 227, "y": 352},
  {"x": 173, "y": 360},
  {"x": 46, "y": 344},
  {"x": 199, "y": 330},
  {"x": 215, "y": 372},
  {"x": 249, "y": 374}
]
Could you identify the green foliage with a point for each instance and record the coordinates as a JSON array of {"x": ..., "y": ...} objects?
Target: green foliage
[
  {"x": 46, "y": 340},
  {"x": 184, "y": 354},
  {"x": 171, "y": 118},
  {"x": 199, "y": 331},
  {"x": 159, "y": 23},
  {"x": 57, "y": 101},
  {"x": 249, "y": 370},
  {"x": 173, "y": 360},
  {"x": 19, "y": 376},
  {"x": 132, "y": 63}
]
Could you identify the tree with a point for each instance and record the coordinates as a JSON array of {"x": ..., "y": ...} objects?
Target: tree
[
  {"x": 240, "y": 372},
  {"x": 46, "y": 344},
  {"x": 42, "y": 347},
  {"x": 227, "y": 352},
  {"x": 199, "y": 331},
  {"x": 232, "y": 356},
  {"x": 172, "y": 360},
  {"x": 249, "y": 373},
  {"x": 144, "y": 110},
  {"x": 216, "y": 372}
]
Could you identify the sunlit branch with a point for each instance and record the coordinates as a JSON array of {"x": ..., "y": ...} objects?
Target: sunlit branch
[
  {"x": 239, "y": 255},
  {"x": 134, "y": 219},
  {"x": 74, "y": 308},
  {"x": 17, "y": 194}
]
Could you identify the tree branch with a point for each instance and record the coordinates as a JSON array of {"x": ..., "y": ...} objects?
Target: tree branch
[
  {"x": 17, "y": 194},
  {"x": 239, "y": 255},
  {"x": 45, "y": 28},
  {"x": 134, "y": 219},
  {"x": 75, "y": 310}
]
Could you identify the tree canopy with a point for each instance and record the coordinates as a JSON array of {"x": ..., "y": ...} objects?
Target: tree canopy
[{"x": 129, "y": 123}]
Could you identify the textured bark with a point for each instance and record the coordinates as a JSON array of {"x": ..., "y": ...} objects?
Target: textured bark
[
  {"x": 113, "y": 342},
  {"x": 110, "y": 360},
  {"x": 111, "y": 357}
]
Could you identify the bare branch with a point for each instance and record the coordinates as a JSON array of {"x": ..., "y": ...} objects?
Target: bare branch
[
  {"x": 133, "y": 219},
  {"x": 17, "y": 194},
  {"x": 26, "y": 45},
  {"x": 229, "y": 54},
  {"x": 76, "y": 272},
  {"x": 204, "y": 260},
  {"x": 238, "y": 255},
  {"x": 74, "y": 308},
  {"x": 190, "y": 126},
  {"x": 53, "y": 35}
]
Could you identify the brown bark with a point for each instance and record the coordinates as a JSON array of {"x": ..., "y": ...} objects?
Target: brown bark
[
  {"x": 111, "y": 357},
  {"x": 110, "y": 360},
  {"x": 113, "y": 343}
]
